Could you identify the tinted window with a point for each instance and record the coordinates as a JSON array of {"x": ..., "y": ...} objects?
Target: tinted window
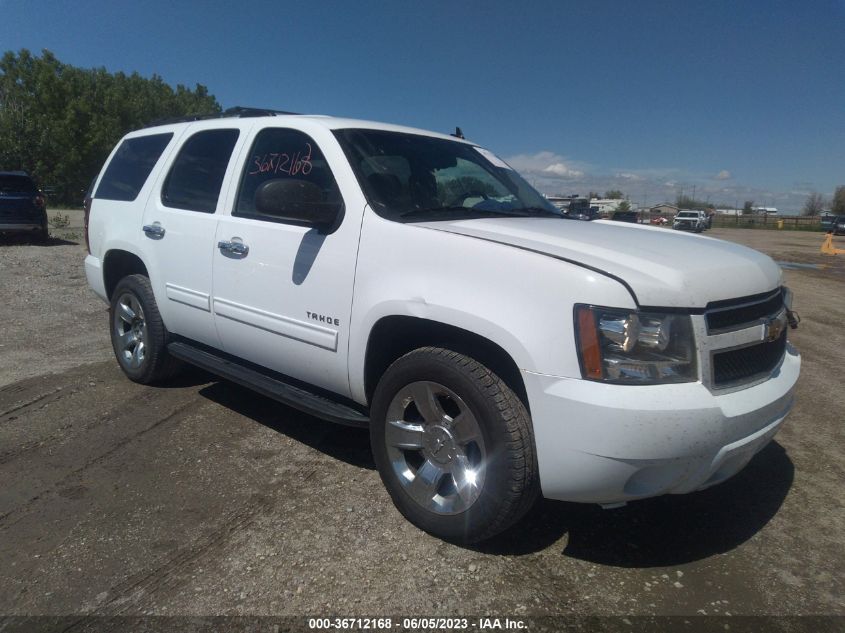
[
  {"x": 13, "y": 183},
  {"x": 280, "y": 154},
  {"x": 196, "y": 177},
  {"x": 132, "y": 163}
]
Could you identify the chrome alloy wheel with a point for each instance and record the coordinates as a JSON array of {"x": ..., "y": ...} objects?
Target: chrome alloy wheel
[
  {"x": 130, "y": 331},
  {"x": 436, "y": 448}
]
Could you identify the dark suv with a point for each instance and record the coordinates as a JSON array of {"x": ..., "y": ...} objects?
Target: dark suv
[
  {"x": 838, "y": 225},
  {"x": 22, "y": 205}
]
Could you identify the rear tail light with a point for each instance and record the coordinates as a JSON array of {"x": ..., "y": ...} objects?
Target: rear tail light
[
  {"x": 38, "y": 201},
  {"x": 87, "y": 206}
]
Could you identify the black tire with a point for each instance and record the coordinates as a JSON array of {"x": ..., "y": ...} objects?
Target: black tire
[
  {"x": 506, "y": 466},
  {"x": 41, "y": 236},
  {"x": 146, "y": 361}
]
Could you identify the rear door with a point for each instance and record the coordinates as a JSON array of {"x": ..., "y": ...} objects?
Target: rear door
[
  {"x": 284, "y": 302},
  {"x": 179, "y": 225}
]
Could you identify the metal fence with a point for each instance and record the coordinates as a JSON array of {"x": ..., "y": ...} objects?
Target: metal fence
[{"x": 788, "y": 222}]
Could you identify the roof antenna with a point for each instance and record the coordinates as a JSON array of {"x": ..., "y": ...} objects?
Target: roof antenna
[{"x": 458, "y": 133}]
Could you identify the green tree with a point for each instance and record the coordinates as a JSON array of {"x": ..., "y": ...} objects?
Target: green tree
[
  {"x": 814, "y": 204},
  {"x": 614, "y": 194},
  {"x": 624, "y": 206},
  {"x": 837, "y": 206},
  {"x": 748, "y": 207},
  {"x": 59, "y": 122}
]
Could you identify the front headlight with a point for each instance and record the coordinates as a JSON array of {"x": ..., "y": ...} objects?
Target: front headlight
[{"x": 634, "y": 348}]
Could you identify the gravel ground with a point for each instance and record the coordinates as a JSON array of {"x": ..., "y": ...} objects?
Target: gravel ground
[{"x": 205, "y": 499}]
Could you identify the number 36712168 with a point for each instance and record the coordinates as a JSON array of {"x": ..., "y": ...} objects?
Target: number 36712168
[{"x": 283, "y": 163}]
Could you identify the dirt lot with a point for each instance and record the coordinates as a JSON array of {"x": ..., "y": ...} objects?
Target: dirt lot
[{"x": 205, "y": 499}]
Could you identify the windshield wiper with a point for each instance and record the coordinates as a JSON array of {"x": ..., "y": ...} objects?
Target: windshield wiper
[
  {"x": 537, "y": 211},
  {"x": 471, "y": 211},
  {"x": 465, "y": 211}
]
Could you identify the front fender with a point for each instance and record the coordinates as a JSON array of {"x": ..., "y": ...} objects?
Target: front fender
[{"x": 521, "y": 301}]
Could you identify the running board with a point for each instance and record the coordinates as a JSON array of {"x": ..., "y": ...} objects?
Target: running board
[{"x": 293, "y": 396}]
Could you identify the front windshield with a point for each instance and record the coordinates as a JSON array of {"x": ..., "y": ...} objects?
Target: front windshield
[{"x": 411, "y": 177}]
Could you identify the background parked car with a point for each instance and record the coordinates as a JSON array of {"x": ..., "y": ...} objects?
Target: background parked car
[
  {"x": 22, "y": 206},
  {"x": 838, "y": 225},
  {"x": 626, "y": 216},
  {"x": 690, "y": 220},
  {"x": 826, "y": 223}
]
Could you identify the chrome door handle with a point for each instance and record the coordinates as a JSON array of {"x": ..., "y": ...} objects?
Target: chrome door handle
[
  {"x": 235, "y": 248},
  {"x": 154, "y": 231}
]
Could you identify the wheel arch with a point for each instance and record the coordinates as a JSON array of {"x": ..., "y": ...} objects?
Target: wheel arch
[
  {"x": 117, "y": 264},
  {"x": 391, "y": 337}
]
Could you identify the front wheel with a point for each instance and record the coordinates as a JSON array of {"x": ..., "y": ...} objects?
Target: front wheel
[
  {"x": 138, "y": 335},
  {"x": 453, "y": 445}
]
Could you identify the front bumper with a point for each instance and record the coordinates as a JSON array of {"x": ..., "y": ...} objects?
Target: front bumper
[{"x": 607, "y": 444}]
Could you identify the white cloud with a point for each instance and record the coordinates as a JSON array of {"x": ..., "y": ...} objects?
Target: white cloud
[
  {"x": 555, "y": 174},
  {"x": 562, "y": 170},
  {"x": 627, "y": 175},
  {"x": 547, "y": 165}
]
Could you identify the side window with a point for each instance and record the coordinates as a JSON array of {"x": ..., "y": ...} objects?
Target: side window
[
  {"x": 196, "y": 176},
  {"x": 131, "y": 165},
  {"x": 281, "y": 154}
]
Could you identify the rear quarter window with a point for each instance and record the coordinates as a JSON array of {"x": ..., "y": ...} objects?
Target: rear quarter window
[{"x": 131, "y": 166}]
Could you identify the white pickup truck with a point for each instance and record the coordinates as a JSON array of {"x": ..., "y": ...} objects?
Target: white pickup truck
[
  {"x": 690, "y": 221},
  {"x": 412, "y": 282}
]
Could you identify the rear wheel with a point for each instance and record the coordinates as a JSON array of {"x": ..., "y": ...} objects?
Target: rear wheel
[
  {"x": 453, "y": 445},
  {"x": 138, "y": 335}
]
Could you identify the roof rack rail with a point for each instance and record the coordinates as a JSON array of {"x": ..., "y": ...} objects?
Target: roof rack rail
[
  {"x": 241, "y": 111},
  {"x": 236, "y": 111}
]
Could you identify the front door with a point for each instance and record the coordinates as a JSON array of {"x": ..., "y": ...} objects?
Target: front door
[{"x": 283, "y": 291}]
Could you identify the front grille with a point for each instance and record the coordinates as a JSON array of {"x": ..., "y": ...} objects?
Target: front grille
[
  {"x": 730, "y": 314},
  {"x": 746, "y": 363}
]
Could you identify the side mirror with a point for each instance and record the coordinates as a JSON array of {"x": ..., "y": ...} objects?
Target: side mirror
[{"x": 297, "y": 201}]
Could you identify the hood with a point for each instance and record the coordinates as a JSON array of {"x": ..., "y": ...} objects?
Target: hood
[{"x": 661, "y": 267}]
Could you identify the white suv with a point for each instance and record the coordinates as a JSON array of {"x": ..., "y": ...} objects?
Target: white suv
[{"x": 412, "y": 282}]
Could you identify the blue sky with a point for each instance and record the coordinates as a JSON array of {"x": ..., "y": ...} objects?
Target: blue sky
[{"x": 741, "y": 100}]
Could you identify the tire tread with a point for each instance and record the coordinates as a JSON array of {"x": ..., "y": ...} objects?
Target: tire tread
[{"x": 522, "y": 488}]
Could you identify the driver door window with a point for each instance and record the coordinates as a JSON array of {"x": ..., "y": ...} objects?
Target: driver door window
[{"x": 283, "y": 154}]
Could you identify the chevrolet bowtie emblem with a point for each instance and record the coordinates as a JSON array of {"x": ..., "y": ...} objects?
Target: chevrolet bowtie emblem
[{"x": 775, "y": 327}]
